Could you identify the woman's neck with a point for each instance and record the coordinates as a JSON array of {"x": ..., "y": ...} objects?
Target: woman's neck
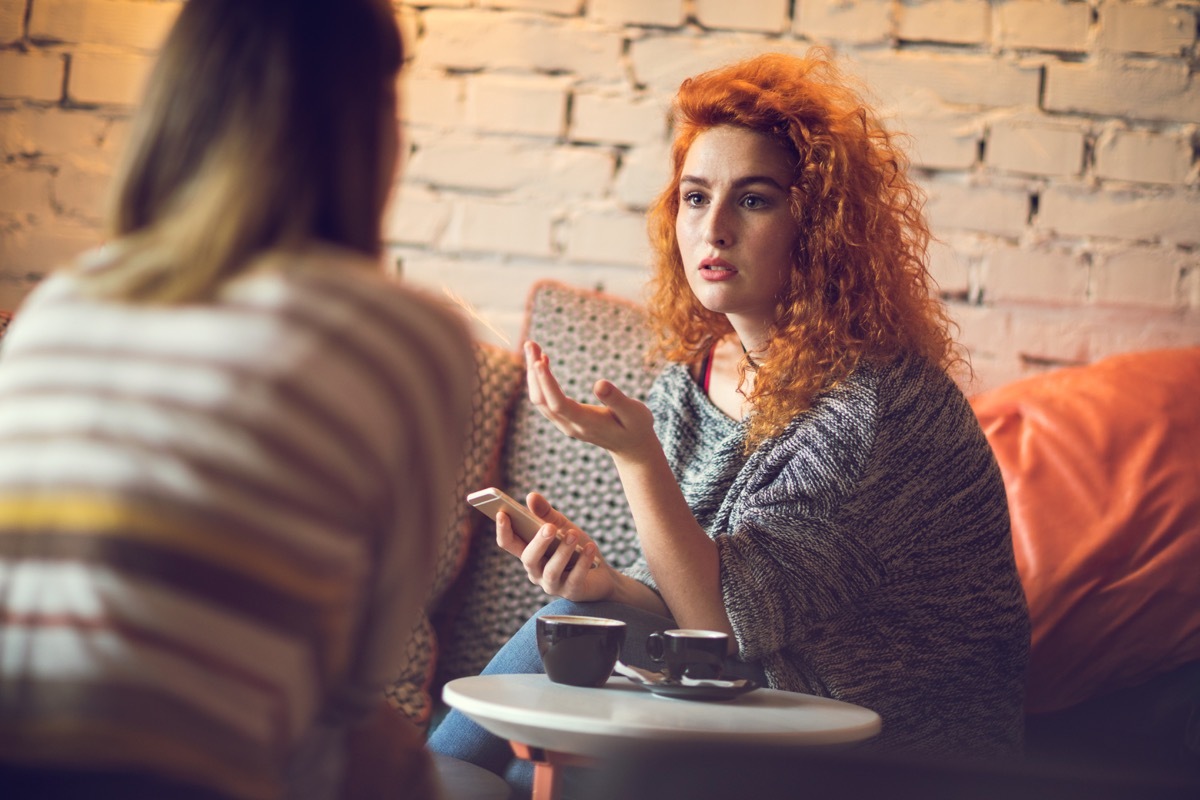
[{"x": 728, "y": 359}]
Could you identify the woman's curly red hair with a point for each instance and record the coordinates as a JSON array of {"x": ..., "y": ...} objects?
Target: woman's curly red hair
[{"x": 860, "y": 289}]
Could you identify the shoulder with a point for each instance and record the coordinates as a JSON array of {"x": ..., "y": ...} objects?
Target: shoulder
[
  {"x": 671, "y": 381},
  {"x": 347, "y": 296},
  {"x": 358, "y": 282}
]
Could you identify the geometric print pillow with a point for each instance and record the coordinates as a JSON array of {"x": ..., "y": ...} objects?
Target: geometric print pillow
[
  {"x": 588, "y": 335},
  {"x": 498, "y": 375}
]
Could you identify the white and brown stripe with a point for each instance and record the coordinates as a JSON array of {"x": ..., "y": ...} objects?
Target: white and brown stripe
[{"x": 215, "y": 519}]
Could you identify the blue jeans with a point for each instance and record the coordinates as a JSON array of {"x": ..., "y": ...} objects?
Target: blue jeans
[{"x": 461, "y": 738}]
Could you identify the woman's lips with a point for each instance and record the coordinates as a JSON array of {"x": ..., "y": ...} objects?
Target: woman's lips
[{"x": 716, "y": 269}]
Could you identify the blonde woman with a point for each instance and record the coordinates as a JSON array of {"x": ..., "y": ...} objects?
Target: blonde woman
[{"x": 226, "y": 438}]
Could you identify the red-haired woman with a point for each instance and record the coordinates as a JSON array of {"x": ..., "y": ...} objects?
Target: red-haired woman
[{"x": 806, "y": 476}]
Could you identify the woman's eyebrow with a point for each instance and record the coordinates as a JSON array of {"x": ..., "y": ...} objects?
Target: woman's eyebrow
[{"x": 737, "y": 184}]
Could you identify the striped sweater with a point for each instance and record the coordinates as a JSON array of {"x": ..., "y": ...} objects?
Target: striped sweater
[
  {"x": 216, "y": 518},
  {"x": 866, "y": 553}
]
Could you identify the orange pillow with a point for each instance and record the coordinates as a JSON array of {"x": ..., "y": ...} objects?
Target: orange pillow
[{"x": 1102, "y": 468}]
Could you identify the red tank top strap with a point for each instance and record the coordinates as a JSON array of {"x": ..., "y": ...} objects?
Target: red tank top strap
[{"x": 706, "y": 369}]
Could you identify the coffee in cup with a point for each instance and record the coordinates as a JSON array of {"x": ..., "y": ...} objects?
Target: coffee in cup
[
  {"x": 689, "y": 652},
  {"x": 578, "y": 650}
]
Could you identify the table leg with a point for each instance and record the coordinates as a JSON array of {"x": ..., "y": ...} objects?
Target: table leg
[{"x": 547, "y": 778}]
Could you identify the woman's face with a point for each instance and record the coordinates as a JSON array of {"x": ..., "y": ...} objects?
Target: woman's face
[{"x": 735, "y": 228}]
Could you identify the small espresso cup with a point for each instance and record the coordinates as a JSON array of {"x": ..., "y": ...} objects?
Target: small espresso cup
[
  {"x": 688, "y": 653},
  {"x": 577, "y": 650}
]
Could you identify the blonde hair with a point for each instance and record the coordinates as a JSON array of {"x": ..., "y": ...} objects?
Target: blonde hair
[
  {"x": 859, "y": 287},
  {"x": 261, "y": 128}
]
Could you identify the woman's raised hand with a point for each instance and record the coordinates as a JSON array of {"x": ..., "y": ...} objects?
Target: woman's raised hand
[{"x": 623, "y": 426}]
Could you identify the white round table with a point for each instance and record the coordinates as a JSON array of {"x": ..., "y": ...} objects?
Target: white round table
[{"x": 552, "y": 724}]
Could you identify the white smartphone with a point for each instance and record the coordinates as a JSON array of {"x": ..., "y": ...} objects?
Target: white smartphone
[{"x": 525, "y": 524}]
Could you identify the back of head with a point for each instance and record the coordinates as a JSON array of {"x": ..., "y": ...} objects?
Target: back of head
[{"x": 263, "y": 126}]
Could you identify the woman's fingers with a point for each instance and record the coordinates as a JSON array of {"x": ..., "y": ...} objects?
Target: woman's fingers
[
  {"x": 534, "y": 361},
  {"x": 506, "y": 538},
  {"x": 541, "y": 507},
  {"x": 535, "y": 554}
]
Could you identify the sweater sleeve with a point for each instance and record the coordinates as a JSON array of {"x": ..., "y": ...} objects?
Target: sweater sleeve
[{"x": 792, "y": 555}]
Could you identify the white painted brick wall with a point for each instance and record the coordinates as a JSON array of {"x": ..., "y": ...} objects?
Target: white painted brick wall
[
  {"x": 950, "y": 268},
  {"x": 80, "y": 189},
  {"x": 974, "y": 80},
  {"x": 32, "y": 76},
  {"x": 108, "y": 78},
  {"x": 951, "y": 206},
  {"x": 768, "y": 16},
  {"x": 550, "y": 6},
  {"x": 1042, "y": 25},
  {"x": 475, "y": 40},
  {"x": 469, "y": 162},
  {"x": 531, "y": 168},
  {"x": 486, "y": 226},
  {"x": 1143, "y": 156},
  {"x": 51, "y": 132},
  {"x": 945, "y": 140},
  {"x": 31, "y": 248},
  {"x": 617, "y": 118},
  {"x": 1158, "y": 30},
  {"x": 538, "y": 137},
  {"x": 534, "y": 106},
  {"x": 662, "y": 62},
  {"x": 417, "y": 215},
  {"x": 1141, "y": 277},
  {"x": 668, "y": 13},
  {"x": 12, "y": 20},
  {"x": 608, "y": 237},
  {"x": 644, "y": 173},
  {"x": 121, "y": 23},
  {"x": 1169, "y": 218},
  {"x": 852, "y": 21},
  {"x": 25, "y": 192},
  {"x": 1035, "y": 148},
  {"x": 433, "y": 100},
  {"x": 1126, "y": 88},
  {"x": 1012, "y": 273},
  {"x": 953, "y": 21}
]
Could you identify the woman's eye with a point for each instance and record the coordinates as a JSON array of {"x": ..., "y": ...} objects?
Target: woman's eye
[
  {"x": 693, "y": 198},
  {"x": 753, "y": 201}
]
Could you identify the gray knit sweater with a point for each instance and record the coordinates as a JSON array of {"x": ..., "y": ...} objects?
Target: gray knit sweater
[{"x": 865, "y": 553}]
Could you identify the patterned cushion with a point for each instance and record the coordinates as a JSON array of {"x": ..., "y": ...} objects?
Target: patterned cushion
[
  {"x": 588, "y": 335},
  {"x": 499, "y": 373}
]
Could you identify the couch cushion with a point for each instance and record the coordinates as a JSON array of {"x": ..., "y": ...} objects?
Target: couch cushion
[
  {"x": 588, "y": 335},
  {"x": 499, "y": 373},
  {"x": 1102, "y": 468}
]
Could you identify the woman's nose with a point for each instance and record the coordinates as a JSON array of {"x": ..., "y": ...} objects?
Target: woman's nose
[{"x": 718, "y": 229}]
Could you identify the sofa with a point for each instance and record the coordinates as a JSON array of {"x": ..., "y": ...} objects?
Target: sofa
[{"x": 1102, "y": 468}]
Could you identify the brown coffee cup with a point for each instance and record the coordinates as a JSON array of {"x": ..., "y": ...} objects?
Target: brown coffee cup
[
  {"x": 578, "y": 650},
  {"x": 689, "y": 652}
]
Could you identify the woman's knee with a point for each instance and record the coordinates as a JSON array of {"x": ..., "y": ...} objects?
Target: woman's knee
[{"x": 563, "y": 607}]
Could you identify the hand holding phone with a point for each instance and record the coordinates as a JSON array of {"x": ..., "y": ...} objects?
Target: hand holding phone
[{"x": 524, "y": 524}]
